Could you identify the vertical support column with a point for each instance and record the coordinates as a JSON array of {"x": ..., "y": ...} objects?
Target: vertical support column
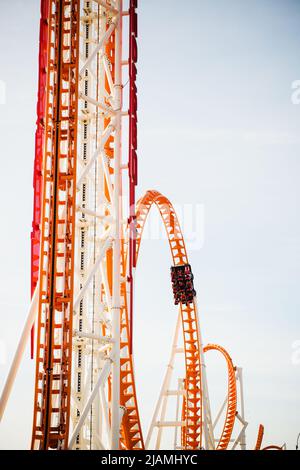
[{"x": 117, "y": 210}]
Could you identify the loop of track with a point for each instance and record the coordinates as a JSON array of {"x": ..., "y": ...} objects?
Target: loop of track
[
  {"x": 231, "y": 400},
  {"x": 191, "y": 433}
]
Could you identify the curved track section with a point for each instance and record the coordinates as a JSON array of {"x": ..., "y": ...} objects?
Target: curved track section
[
  {"x": 39, "y": 149},
  {"x": 53, "y": 266},
  {"x": 272, "y": 448},
  {"x": 260, "y": 436},
  {"x": 231, "y": 400},
  {"x": 193, "y": 433}
]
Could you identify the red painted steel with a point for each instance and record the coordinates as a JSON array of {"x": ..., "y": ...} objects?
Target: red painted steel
[
  {"x": 38, "y": 159},
  {"x": 132, "y": 164}
]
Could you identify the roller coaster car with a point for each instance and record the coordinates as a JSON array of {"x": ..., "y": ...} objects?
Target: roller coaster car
[{"x": 182, "y": 284}]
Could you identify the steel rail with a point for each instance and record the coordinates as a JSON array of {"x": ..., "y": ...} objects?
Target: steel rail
[
  {"x": 272, "y": 447},
  {"x": 39, "y": 151},
  {"x": 231, "y": 398},
  {"x": 51, "y": 414},
  {"x": 193, "y": 431}
]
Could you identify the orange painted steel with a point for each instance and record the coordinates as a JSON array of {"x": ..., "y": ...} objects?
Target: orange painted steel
[
  {"x": 232, "y": 398},
  {"x": 39, "y": 150},
  {"x": 193, "y": 430},
  {"x": 55, "y": 236},
  {"x": 54, "y": 326},
  {"x": 260, "y": 436},
  {"x": 131, "y": 430},
  {"x": 272, "y": 448}
]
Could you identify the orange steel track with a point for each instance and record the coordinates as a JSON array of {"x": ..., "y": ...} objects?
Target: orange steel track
[
  {"x": 260, "y": 436},
  {"x": 259, "y": 440},
  {"x": 54, "y": 332},
  {"x": 131, "y": 432},
  {"x": 131, "y": 427},
  {"x": 232, "y": 397}
]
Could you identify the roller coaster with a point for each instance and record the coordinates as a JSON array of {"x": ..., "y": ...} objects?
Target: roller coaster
[{"x": 86, "y": 237}]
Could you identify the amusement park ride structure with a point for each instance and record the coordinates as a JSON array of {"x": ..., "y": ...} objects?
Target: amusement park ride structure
[{"x": 85, "y": 247}]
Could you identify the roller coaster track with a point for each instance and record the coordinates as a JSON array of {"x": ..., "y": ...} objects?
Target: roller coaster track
[
  {"x": 131, "y": 427},
  {"x": 260, "y": 436},
  {"x": 54, "y": 346},
  {"x": 192, "y": 434},
  {"x": 231, "y": 400},
  {"x": 83, "y": 251}
]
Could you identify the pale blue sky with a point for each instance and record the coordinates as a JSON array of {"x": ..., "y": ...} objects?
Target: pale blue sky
[{"x": 217, "y": 129}]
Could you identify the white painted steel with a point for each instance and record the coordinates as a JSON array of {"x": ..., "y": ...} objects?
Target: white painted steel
[
  {"x": 102, "y": 378},
  {"x": 117, "y": 208},
  {"x": 98, "y": 226},
  {"x": 161, "y": 405},
  {"x": 33, "y": 309}
]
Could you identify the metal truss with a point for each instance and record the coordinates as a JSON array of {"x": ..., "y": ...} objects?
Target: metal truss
[
  {"x": 159, "y": 424},
  {"x": 55, "y": 311},
  {"x": 85, "y": 246}
]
